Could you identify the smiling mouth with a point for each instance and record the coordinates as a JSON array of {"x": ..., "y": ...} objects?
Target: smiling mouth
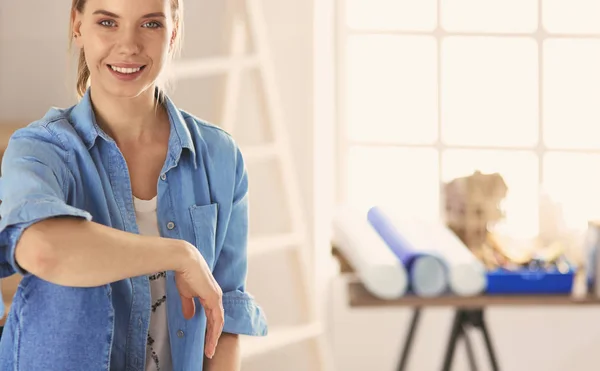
[{"x": 126, "y": 71}]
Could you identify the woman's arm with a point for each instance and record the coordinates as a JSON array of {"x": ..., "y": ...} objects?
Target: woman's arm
[
  {"x": 227, "y": 356},
  {"x": 79, "y": 253},
  {"x": 43, "y": 235},
  {"x": 243, "y": 315},
  {"x": 72, "y": 252}
]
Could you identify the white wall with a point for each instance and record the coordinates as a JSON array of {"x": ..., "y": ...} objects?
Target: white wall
[{"x": 33, "y": 55}]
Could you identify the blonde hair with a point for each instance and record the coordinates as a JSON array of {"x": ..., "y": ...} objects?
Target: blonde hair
[{"x": 83, "y": 72}]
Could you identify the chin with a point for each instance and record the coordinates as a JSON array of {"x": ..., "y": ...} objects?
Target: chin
[{"x": 126, "y": 91}]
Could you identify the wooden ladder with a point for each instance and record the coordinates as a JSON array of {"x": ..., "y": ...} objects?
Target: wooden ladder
[{"x": 246, "y": 23}]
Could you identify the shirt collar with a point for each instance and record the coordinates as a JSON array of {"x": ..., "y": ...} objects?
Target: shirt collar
[{"x": 84, "y": 122}]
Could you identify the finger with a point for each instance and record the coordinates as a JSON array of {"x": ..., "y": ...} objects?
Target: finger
[
  {"x": 188, "y": 307},
  {"x": 215, "y": 318},
  {"x": 211, "y": 342},
  {"x": 209, "y": 348}
]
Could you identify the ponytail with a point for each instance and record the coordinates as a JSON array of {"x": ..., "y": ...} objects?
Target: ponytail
[{"x": 83, "y": 75}]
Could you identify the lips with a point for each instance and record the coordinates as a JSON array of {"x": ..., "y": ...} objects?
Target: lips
[{"x": 126, "y": 72}]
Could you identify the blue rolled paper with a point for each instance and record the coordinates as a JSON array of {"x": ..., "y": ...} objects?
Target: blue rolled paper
[{"x": 428, "y": 274}]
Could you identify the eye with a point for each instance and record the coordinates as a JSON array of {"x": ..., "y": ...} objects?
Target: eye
[
  {"x": 107, "y": 23},
  {"x": 152, "y": 24}
]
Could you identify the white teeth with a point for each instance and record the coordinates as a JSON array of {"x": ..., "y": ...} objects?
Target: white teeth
[{"x": 125, "y": 70}]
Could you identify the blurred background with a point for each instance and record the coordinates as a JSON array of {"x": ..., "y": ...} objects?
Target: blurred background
[{"x": 356, "y": 103}]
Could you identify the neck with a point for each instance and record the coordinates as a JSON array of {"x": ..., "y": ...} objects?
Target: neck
[{"x": 128, "y": 120}]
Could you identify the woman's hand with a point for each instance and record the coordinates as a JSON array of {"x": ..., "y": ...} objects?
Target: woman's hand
[{"x": 195, "y": 280}]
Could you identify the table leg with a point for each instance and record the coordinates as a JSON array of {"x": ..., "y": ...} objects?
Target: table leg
[
  {"x": 409, "y": 339},
  {"x": 462, "y": 319},
  {"x": 475, "y": 318},
  {"x": 469, "y": 347},
  {"x": 489, "y": 345},
  {"x": 455, "y": 332}
]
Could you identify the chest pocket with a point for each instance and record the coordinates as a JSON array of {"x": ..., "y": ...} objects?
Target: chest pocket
[{"x": 204, "y": 222}]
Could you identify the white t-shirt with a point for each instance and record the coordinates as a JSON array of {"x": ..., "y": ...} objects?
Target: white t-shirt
[{"x": 158, "y": 349}]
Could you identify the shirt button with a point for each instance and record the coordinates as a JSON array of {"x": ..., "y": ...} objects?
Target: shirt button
[
  {"x": 170, "y": 225},
  {"x": 163, "y": 176},
  {"x": 180, "y": 334}
]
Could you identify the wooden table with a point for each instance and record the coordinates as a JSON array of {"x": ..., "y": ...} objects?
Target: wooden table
[{"x": 468, "y": 312}]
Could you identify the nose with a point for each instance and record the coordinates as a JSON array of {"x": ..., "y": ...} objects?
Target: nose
[{"x": 129, "y": 41}]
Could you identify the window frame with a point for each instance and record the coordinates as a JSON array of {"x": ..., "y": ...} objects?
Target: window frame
[{"x": 343, "y": 143}]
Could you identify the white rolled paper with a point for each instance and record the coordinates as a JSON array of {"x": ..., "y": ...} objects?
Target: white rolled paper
[
  {"x": 467, "y": 274},
  {"x": 378, "y": 268}
]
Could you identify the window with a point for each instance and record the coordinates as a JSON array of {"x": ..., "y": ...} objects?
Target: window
[{"x": 430, "y": 90}]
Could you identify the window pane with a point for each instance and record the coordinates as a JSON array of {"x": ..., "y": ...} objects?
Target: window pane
[
  {"x": 571, "y": 92},
  {"x": 391, "y": 89},
  {"x": 571, "y": 16},
  {"x": 412, "y": 15},
  {"x": 490, "y": 15},
  {"x": 397, "y": 177},
  {"x": 520, "y": 173},
  {"x": 490, "y": 91},
  {"x": 571, "y": 179}
]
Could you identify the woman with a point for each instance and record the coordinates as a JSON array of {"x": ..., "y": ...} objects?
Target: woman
[{"x": 127, "y": 217}]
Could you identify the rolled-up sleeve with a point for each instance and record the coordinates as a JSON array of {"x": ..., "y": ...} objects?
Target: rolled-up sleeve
[
  {"x": 34, "y": 187},
  {"x": 242, "y": 314}
]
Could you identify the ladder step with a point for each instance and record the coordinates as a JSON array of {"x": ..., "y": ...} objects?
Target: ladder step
[
  {"x": 265, "y": 244},
  {"x": 211, "y": 66},
  {"x": 278, "y": 338}
]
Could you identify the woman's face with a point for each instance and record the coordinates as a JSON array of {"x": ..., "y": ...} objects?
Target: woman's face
[{"x": 126, "y": 43}]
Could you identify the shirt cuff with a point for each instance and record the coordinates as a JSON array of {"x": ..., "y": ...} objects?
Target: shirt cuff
[
  {"x": 15, "y": 223},
  {"x": 242, "y": 315}
]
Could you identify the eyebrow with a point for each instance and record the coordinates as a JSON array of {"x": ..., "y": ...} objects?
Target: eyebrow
[{"x": 149, "y": 15}]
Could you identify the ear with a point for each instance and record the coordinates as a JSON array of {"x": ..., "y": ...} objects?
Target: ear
[
  {"x": 76, "y": 27},
  {"x": 173, "y": 37}
]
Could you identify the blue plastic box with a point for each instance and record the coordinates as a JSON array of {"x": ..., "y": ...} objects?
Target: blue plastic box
[{"x": 505, "y": 282}]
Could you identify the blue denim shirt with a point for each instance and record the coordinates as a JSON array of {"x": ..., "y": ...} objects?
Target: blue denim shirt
[{"x": 65, "y": 165}]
